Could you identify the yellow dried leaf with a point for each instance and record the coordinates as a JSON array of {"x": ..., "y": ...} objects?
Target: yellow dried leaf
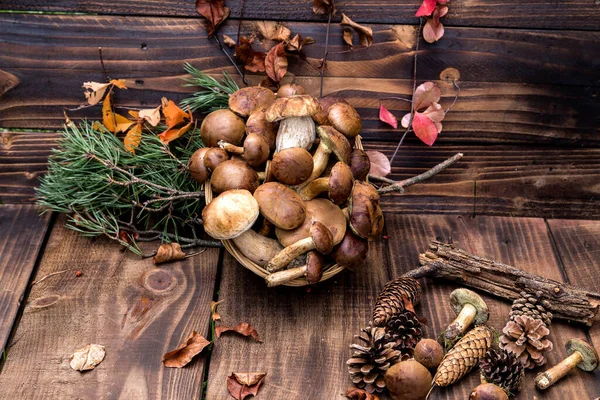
[
  {"x": 120, "y": 83},
  {"x": 152, "y": 116},
  {"x": 133, "y": 138},
  {"x": 94, "y": 91},
  {"x": 115, "y": 123}
]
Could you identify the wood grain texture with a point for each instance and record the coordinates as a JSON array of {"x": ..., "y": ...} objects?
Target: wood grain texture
[
  {"x": 22, "y": 232},
  {"x": 138, "y": 311},
  {"x": 521, "y": 242},
  {"x": 569, "y": 14},
  {"x": 52, "y": 55}
]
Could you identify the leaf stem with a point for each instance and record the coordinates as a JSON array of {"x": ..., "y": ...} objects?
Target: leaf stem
[{"x": 231, "y": 60}]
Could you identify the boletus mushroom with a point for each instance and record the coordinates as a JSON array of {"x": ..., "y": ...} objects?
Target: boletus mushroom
[
  {"x": 312, "y": 270},
  {"x": 230, "y": 214},
  {"x": 429, "y": 353},
  {"x": 360, "y": 164},
  {"x": 222, "y": 125},
  {"x": 470, "y": 309},
  {"x": 365, "y": 216},
  {"x": 345, "y": 119},
  {"x": 215, "y": 156},
  {"x": 488, "y": 391},
  {"x": 196, "y": 165},
  {"x": 351, "y": 252},
  {"x": 408, "y": 380},
  {"x": 257, "y": 123},
  {"x": 280, "y": 205},
  {"x": 296, "y": 127},
  {"x": 255, "y": 150},
  {"x": 338, "y": 185},
  {"x": 247, "y": 100},
  {"x": 292, "y": 166},
  {"x": 289, "y": 90},
  {"x": 321, "y": 117},
  {"x": 234, "y": 174}
]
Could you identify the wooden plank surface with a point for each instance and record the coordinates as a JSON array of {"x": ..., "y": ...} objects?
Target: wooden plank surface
[
  {"x": 306, "y": 334},
  {"x": 136, "y": 310},
  {"x": 554, "y": 14},
  {"x": 22, "y": 233},
  {"x": 50, "y": 57}
]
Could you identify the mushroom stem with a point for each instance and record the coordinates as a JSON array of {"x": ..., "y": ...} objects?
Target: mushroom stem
[
  {"x": 230, "y": 148},
  {"x": 314, "y": 188},
  {"x": 257, "y": 248},
  {"x": 554, "y": 374},
  {"x": 295, "y": 132},
  {"x": 285, "y": 256},
  {"x": 320, "y": 160},
  {"x": 464, "y": 319},
  {"x": 281, "y": 277}
]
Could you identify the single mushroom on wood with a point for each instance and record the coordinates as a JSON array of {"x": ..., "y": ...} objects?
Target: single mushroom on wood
[
  {"x": 345, "y": 119},
  {"x": 292, "y": 166},
  {"x": 247, "y": 100},
  {"x": 234, "y": 174},
  {"x": 338, "y": 185},
  {"x": 255, "y": 150},
  {"x": 222, "y": 125},
  {"x": 296, "y": 127},
  {"x": 331, "y": 142},
  {"x": 313, "y": 270},
  {"x": 470, "y": 309},
  {"x": 280, "y": 205}
]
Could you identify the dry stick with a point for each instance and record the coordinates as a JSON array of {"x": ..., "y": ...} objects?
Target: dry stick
[
  {"x": 399, "y": 186},
  {"x": 325, "y": 52},
  {"x": 48, "y": 276},
  {"x": 102, "y": 63},
  {"x": 231, "y": 60},
  {"x": 564, "y": 301}
]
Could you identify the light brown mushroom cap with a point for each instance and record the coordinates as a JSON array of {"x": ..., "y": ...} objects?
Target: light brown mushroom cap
[
  {"x": 322, "y": 237},
  {"x": 292, "y": 166},
  {"x": 247, "y": 100},
  {"x": 230, "y": 214},
  {"x": 222, "y": 125},
  {"x": 196, "y": 167},
  {"x": 341, "y": 182},
  {"x": 345, "y": 119},
  {"x": 289, "y": 90},
  {"x": 590, "y": 356},
  {"x": 314, "y": 267},
  {"x": 460, "y": 297},
  {"x": 257, "y": 123},
  {"x": 364, "y": 213},
  {"x": 215, "y": 156},
  {"x": 321, "y": 210},
  {"x": 297, "y": 106},
  {"x": 335, "y": 141},
  {"x": 280, "y": 205},
  {"x": 321, "y": 117},
  {"x": 256, "y": 150},
  {"x": 234, "y": 174}
]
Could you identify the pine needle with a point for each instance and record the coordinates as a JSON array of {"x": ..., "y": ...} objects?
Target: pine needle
[{"x": 214, "y": 94}]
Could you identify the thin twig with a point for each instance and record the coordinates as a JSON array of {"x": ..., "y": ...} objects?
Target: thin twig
[
  {"x": 48, "y": 276},
  {"x": 216, "y": 37},
  {"x": 325, "y": 51},
  {"x": 455, "y": 97},
  {"x": 166, "y": 150},
  {"x": 396, "y": 98},
  {"x": 102, "y": 63},
  {"x": 240, "y": 20},
  {"x": 399, "y": 186}
]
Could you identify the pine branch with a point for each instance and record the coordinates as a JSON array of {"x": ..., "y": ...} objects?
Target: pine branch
[{"x": 214, "y": 95}]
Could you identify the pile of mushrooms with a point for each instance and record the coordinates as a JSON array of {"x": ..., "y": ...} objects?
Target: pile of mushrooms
[{"x": 290, "y": 184}]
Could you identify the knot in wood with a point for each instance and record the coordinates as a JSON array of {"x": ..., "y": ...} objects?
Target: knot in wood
[{"x": 159, "y": 281}]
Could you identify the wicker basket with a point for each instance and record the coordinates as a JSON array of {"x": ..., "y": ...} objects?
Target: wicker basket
[{"x": 329, "y": 271}]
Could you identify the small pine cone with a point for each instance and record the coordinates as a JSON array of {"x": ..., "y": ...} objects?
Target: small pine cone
[
  {"x": 503, "y": 369},
  {"x": 530, "y": 304},
  {"x": 463, "y": 356},
  {"x": 404, "y": 329},
  {"x": 525, "y": 337},
  {"x": 370, "y": 360},
  {"x": 397, "y": 295}
]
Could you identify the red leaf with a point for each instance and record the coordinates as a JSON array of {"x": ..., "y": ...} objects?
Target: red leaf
[
  {"x": 215, "y": 13},
  {"x": 380, "y": 165},
  {"x": 425, "y": 94},
  {"x": 387, "y": 117},
  {"x": 244, "y": 329},
  {"x": 426, "y": 8},
  {"x": 181, "y": 356},
  {"x": 244, "y": 384},
  {"x": 424, "y": 128},
  {"x": 433, "y": 29},
  {"x": 276, "y": 63}
]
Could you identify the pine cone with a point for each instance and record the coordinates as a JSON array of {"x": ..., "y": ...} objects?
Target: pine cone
[
  {"x": 532, "y": 305},
  {"x": 404, "y": 330},
  {"x": 369, "y": 362},
  {"x": 397, "y": 295},
  {"x": 463, "y": 356},
  {"x": 503, "y": 369},
  {"x": 525, "y": 337}
]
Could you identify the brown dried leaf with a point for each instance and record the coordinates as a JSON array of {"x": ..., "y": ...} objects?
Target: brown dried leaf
[
  {"x": 181, "y": 356},
  {"x": 87, "y": 357},
  {"x": 359, "y": 394},
  {"x": 244, "y": 329},
  {"x": 228, "y": 41},
  {"x": 380, "y": 165},
  {"x": 276, "y": 63},
  {"x": 323, "y": 7},
  {"x": 425, "y": 94},
  {"x": 365, "y": 34},
  {"x": 213, "y": 310},
  {"x": 244, "y": 384},
  {"x": 168, "y": 252},
  {"x": 348, "y": 34},
  {"x": 273, "y": 31},
  {"x": 215, "y": 13},
  {"x": 253, "y": 61}
]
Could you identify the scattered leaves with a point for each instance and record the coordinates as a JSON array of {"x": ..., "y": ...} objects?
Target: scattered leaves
[
  {"x": 213, "y": 310},
  {"x": 215, "y": 13},
  {"x": 426, "y": 8},
  {"x": 168, "y": 252},
  {"x": 181, "y": 356},
  {"x": 380, "y": 165},
  {"x": 253, "y": 61},
  {"x": 228, "y": 41},
  {"x": 244, "y": 329},
  {"x": 365, "y": 34},
  {"x": 433, "y": 29},
  {"x": 244, "y": 384},
  {"x": 348, "y": 34},
  {"x": 387, "y": 117},
  {"x": 273, "y": 31},
  {"x": 323, "y": 7},
  {"x": 359, "y": 394},
  {"x": 276, "y": 63},
  {"x": 87, "y": 357}
]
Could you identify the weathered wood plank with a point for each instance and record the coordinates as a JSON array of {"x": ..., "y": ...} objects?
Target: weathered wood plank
[
  {"x": 52, "y": 55},
  {"x": 136, "y": 310},
  {"x": 521, "y": 242},
  {"x": 569, "y": 14},
  {"x": 22, "y": 232},
  {"x": 578, "y": 244}
]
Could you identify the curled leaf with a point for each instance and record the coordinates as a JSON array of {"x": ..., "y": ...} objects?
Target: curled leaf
[
  {"x": 213, "y": 310},
  {"x": 433, "y": 29},
  {"x": 253, "y": 61},
  {"x": 365, "y": 34},
  {"x": 168, "y": 252},
  {"x": 424, "y": 128},
  {"x": 94, "y": 91},
  {"x": 276, "y": 63},
  {"x": 359, "y": 394},
  {"x": 244, "y": 384},
  {"x": 173, "y": 114},
  {"x": 133, "y": 138},
  {"x": 425, "y": 94},
  {"x": 387, "y": 117},
  {"x": 181, "y": 356},
  {"x": 87, "y": 357},
  {"x": 174, "y": 133},
  {"x": 115, "y": 123},
  {"x": 244, "y": 329},
  {"x": 323, "y": 7},
  {"x": 215, "y": 13},
  {"x": 380, "y": 165},
  {"x": 151, "y": 116},
  {"x": 426, "y": 8},
  {"x": 273, "y": 31},
  {"x": 348, "y": 34}
]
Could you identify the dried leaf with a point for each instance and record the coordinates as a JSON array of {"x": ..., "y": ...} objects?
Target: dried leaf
[
  {"x": 405, "y": 122},
  {"x": 253, "y": 61},
  {"x": 380, "y": 165},
  {"x": 365, "y": 34},
  {"x": 213, "y": 310},
  {"x": 433, "y": 29},
  {"x": 94, "y": 91},
  {"x": 173, "y": 114},
  {"x": 244, "y": 384},
  {"x": 348, "y": 34},
  {"x": 424, "y": 128},
  {"x": 359, "y": 394},
  {"x": 115, "y": 123},
  {"x": 273, "y": 31},
  {"x": 387, "y": 117},
  {"x": 168, "y": 252},
  {"x": 215, "y": 13},
  {"x": 276, "y": 63},
  {"x": 87, "y": 357},
  {"x": 228, "y": 41},
  {"x": 426, "y": 8},
  {"x": 152, "y": 115},
  {"x": 323, "y": 7},
  {"x": 174, "y": 133},
  {"x": 133, "y": 138},
  {"x": 120, "y": 83},
  {"x": 244, "y": 329},
  {"x": 425, "y": 94},
  {"x": 181, "y": 356}
]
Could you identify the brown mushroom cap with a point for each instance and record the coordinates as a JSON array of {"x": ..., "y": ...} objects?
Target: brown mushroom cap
[
  {"x": 257, "y": 123},
  {"x": 297, "y": 106},
  {"x": 196, "y": 165},
  {"x": 351, "y": 252},
  {"x": 345, "y": 119},
  {"x": 280, "y": 205},
  {"x": 322, "y": 237},
  {"x": 222, "y": 125},
  {"x": 460, "y": 297},
  {"x": 336, "y": 142},
  {"x": 360, "y": 164},
  {"x": 589, "y": 354},
  {"x": 314, "y": 267},
  {"x": 429, "y": 353},
  {"x": 340, "y": 183},
  {"x": 230, "y": 214},
  {"x": 289, "y": 90},
  {"x": 321, "y": 117},
  {"x": 292, "y": 166},
  {"x": 364, "y": 213},
  {"x": 321, "y": 210},
  {"x": 234, "y": 174},
  {"x": 408, "y": 380},
  {"x": 488, "y": 391},
  {"x": 256, "y": 150},
  {"x": 247, "y": 100},
  {"x": 215, "y": 156}
]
